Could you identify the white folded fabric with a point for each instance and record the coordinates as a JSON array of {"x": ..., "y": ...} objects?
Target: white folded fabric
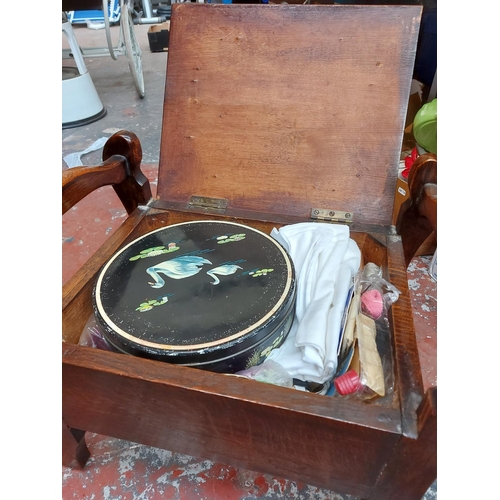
[{"x": 325, "y": 260}]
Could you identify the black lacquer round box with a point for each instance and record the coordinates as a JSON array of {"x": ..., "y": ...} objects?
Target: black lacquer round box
[{"x": 213, "y": 295}]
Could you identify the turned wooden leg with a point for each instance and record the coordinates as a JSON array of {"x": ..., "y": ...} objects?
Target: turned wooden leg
[{"x": 74, "y": 449}]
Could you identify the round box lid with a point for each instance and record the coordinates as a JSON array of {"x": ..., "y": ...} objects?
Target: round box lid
[{"x": 194, "y": 291}]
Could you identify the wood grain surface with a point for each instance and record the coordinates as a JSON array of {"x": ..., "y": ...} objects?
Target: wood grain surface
[{"x": 284, "y": 108}]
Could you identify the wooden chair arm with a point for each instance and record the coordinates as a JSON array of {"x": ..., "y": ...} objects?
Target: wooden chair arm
[
  {"x": 122, "y": 155},
  {"x": 417, "y": 220},
  {"x": 422, "y": 183}
]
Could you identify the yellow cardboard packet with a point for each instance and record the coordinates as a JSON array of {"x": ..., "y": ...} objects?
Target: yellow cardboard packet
[{"x": 369, "y": 358}]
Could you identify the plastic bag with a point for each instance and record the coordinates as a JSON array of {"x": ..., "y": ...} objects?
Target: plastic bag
[
  {"x": 92, "y": 336},
  {"x": 366, "y": 368},
  {"x": 269, "y": 372},
  {"x": 376, "y": 294}
]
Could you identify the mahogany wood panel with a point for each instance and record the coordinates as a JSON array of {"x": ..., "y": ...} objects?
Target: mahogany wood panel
[
  {"x": 228, "y": 419},
  {"x": 284, "y": 108},
  {"x": 405, "y": 352},
  {"x": 413, "y": 466}
]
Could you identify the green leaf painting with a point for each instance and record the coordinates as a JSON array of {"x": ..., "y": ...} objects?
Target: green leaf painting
[{"x": 155, "y": 251}]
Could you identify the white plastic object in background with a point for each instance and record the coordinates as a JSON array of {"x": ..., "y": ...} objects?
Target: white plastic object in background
[{"x": 80, "y": 102}]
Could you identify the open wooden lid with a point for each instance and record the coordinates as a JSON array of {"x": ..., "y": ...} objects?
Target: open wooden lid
[{"x": 284, "y": 108}]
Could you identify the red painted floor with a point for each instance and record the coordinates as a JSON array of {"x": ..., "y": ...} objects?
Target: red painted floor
[{"x": 122, "y": 470}]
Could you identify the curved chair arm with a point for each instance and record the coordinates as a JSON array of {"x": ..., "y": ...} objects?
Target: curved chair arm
[
  {"x": 122, "y": 155},
  {"x": 417, "y": 218},
  {"x": 422, "y": 182}
]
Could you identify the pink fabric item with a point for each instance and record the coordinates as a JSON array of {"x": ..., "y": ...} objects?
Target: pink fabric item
[{"x": 372, "y": 303}]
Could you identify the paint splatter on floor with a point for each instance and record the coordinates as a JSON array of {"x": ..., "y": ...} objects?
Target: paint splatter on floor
[
  {"x": 424, "y": 303},
  {"x": 120, "y": 470}
]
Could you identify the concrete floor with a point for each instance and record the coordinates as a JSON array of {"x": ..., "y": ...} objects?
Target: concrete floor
[
  {"x": 115, "y": 87},
  {"x": 122, "y": 470}
]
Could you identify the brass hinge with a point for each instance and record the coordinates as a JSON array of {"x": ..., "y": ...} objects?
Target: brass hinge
[
  {"x": 218, "y": 205},
  {"x": 325, "y": 214}
]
